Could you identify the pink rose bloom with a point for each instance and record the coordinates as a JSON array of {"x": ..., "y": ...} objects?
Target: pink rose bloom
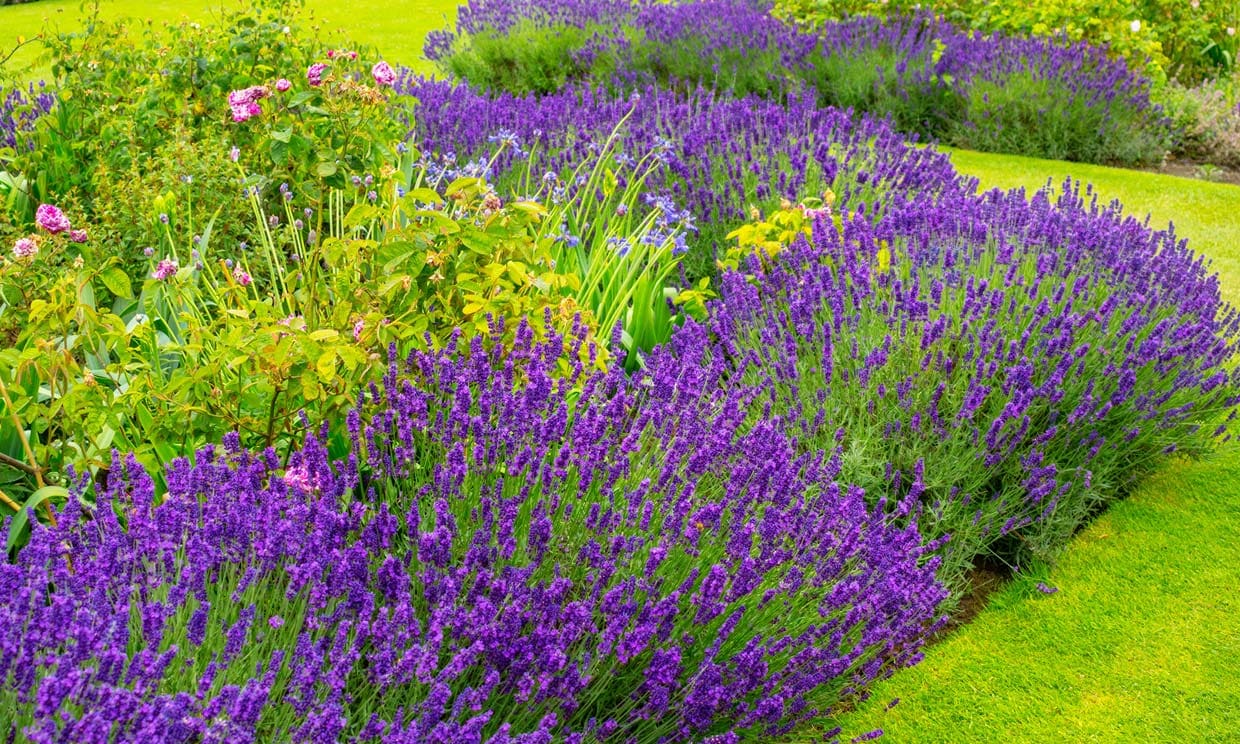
[
  {"x": 246, "y": 111},
  {"x": 25, "y": 248},
  {"x": 251, "y": 94},
  {"x": 165, "y": 270},
  {"x": 314, "y": 74},
  {"x": 283, "y": 84},
  {"x": 50, "y": 218},
  {"x": 383, "y": 74},
  {"x": 77, "y": 236},
  {"x": 244, "y": 102},
  {"x": 242, "y": 276}
]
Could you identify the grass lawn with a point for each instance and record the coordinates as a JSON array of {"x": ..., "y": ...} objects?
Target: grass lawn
[
  {"x": 396, "y": 27},
  {"x": 1142, "y": 640}
]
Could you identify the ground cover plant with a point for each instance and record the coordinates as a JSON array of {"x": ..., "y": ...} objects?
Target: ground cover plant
[{"x": 575, "y": 415}]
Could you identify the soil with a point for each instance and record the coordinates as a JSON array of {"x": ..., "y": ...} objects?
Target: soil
[
  {"x": 1200, "y": 171},
  {"x": 984, "y": 579}
]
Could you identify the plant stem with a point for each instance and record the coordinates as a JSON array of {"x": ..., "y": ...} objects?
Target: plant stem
[{"x": 21, "y": 434}]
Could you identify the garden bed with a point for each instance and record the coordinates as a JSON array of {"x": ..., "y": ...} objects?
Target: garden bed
[{"x": 641, "y": 405}]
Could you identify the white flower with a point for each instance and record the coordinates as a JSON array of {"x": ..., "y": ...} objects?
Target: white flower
[
  {"x": 1135, "y": 26},
  {"x": 1231, "y": 30}
]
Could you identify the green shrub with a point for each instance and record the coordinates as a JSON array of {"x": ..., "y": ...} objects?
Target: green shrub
[
  {"x": 1025, "y": 114},
  {"x": 1186, "y": 40},
  {"x": 1207, "y": 122},
  {"x": 141, "y": 110},
  {"x": 528, "y": 58}
]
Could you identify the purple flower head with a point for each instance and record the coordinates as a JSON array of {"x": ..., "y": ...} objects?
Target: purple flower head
[
  {"x": 165, "y": 270},
  {"x": 283, "y": 84},
  {"x": 50, "y": 218},
  {"x": 246, "y": 111},
  {"x": 78, "y": 236}
]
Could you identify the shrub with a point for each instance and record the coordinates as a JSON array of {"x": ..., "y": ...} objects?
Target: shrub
[
  {"x": 1207, "y": 122},
  {"x": 927, "y": 75},
  {"x": 1009, "y": 366},
  {"x": 141, "y": 109},
  {"x": 722, "y": 155},
  {"x": 517, "y": 556},
  {"x": 249, "y": 339}
]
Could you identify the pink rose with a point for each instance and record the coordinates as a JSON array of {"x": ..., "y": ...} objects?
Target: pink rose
[
  {"x": 383, "y": 74},
  {"x": 314, "y": 74},
  {"x": 26, "y": 248},
  {"x": 50, "y": 218}
]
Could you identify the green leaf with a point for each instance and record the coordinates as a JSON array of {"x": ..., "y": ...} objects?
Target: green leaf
[
  {"x": 300, "y": 98},
  {"x": 19, "y": 527},
  {"x": 426, "y": 196},
  {"x": 279, "y": 153},
  {"x": 326, "y": 169},
  {"x": 117, "y": 282},
  {"x": 461, "y": 184},
  {"x": 326, "y": 365},
  {"x": 359, "y": 214}
]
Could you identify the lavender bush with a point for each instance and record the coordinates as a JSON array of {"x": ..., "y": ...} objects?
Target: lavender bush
[
  {"x": 924, "y": 73},
  {"x": 723, "y": 156},
  {"x": 1008, "y": 365},
  {"x": 19, "y": 109},
  {"x": 520, "y": 555}
]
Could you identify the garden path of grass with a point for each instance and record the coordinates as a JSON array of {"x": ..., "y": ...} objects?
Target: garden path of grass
[{"x": 1142, "y": 640}]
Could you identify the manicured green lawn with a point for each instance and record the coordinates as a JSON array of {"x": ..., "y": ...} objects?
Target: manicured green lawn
[
  {"x": 1142, "y": 640},
  {"x": 396, "y": 27}
]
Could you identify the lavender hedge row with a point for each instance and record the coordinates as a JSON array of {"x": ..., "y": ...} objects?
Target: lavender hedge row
[
  {"x": 1031, "y": 96},
  {"x": 1009, "y": 365},
  {"x": 723, "y": 156},
  {"x": 510, "y": 554},
  {"x": 721, "y": 545}
]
